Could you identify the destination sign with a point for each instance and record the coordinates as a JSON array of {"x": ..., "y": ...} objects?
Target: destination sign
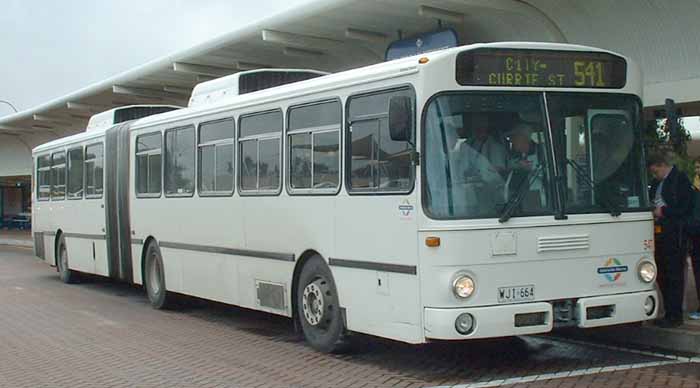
[{"x": 540, "y": 68}]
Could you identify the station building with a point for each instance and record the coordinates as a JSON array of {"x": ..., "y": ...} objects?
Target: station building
[{"x": 333, "y": 35}]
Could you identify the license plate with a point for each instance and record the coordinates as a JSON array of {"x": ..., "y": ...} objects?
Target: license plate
[{"x": 516, "y": 294}]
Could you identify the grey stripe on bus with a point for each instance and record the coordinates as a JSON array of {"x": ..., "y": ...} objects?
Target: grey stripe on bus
[
  {"x": 50, "y": 233},
  {"x": 85, "y": 236},
  {"x": 137, "y": 241},
  {"x": 228, "y": 251},
  {"x": 384, "y": 267}
]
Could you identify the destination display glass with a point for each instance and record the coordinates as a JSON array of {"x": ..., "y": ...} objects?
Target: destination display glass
[{"x": 540, "y": 68}]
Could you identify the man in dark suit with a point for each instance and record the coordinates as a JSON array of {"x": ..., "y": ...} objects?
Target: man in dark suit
[{"x": 671, "y": 195}]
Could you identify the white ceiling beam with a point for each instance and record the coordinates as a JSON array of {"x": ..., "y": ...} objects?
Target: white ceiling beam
[
  {"x": 231, "y": 59},
  {"x": 79, "y": 117},
  {"x": 91, "y": 108},
  {"x": 52, "y": 119},
  {"x": 213, "y": 71},
  {"x": 8, "y": 128},
  {"x": 297, "y": 52},
  {"x": 300, "y": 41},
  {"x": 65, "y": 114},
  {"x": 145, "y": 92},
  {"x": 441, "y": 14},
  {"x": 366, "y": 36},
  {"x": 177, "y": 90}
]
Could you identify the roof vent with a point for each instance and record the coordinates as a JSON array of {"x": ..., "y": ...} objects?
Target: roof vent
[
  {"x": 125, "y": 113},
  {"x": 247, "y": 82}
]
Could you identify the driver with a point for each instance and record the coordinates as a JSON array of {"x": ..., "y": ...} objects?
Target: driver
[{"x": 525, "y": 159}]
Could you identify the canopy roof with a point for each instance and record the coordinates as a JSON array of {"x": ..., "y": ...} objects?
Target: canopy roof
[{"x": 335, "y": 35}]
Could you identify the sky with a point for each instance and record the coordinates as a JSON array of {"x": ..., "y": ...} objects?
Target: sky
[{"x": 51, "y": 48}]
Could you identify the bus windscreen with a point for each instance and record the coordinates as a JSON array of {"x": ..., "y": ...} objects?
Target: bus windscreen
[{"x": 540, "y": 68}]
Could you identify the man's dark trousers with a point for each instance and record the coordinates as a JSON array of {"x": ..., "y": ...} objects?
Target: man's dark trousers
[{"x": 674, "y": 250}]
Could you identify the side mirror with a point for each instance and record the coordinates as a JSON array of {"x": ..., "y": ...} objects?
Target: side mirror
[{"x": 400, "y": 118}]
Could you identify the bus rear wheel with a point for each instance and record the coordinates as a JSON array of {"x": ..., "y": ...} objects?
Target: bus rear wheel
[
  {"x": 67, "y": 275},
  {"x": 154, "y": 279},
  {"x": 318, "y": 309}
]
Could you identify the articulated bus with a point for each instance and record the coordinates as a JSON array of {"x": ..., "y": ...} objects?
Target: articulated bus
[{"x": 480, "y": 191}]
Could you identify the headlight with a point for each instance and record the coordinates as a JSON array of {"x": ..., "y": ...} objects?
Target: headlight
[
  {"x": 647, "y": 271},
  {"x": 463, "y": 286}
]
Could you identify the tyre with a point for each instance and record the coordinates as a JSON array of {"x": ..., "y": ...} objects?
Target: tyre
[
  {"x": 67, "y": 275},
  {"x": 154, "y": 278},
  {"x": 318, "y": 310}
]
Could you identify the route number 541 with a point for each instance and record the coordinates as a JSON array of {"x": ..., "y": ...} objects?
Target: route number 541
[{"x": 588, "y": 73}]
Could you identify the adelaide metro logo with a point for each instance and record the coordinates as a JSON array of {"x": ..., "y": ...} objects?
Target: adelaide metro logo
[{"x": 613, "y": 269}]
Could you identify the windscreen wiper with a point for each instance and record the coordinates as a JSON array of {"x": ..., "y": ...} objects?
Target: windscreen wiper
[
  {"x": 515, "y": 200},
  {"x": 609, "y": 206}
]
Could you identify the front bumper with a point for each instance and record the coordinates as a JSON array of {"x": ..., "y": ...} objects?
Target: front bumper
[{"x": 538, "y": 317}]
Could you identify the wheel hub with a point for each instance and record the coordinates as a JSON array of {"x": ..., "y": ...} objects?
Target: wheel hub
[{"x": 314, "y": 303}]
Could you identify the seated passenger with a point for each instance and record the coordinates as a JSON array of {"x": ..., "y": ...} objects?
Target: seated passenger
[
  {"x": 479, "y": 163},
  {"x": 485, "y": 143},
  {"x": 525, "y": 157}
]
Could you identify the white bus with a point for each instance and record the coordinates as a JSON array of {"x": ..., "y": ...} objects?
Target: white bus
[{"x": 480, "y": 191}]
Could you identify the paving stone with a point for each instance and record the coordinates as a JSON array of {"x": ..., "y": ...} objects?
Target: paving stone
[{"x": 102, "y": 333}]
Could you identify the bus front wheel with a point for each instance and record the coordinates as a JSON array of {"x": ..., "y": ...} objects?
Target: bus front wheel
[
  {"x": 67, "y": 275},
  {"x": 318, "y": 309},
  {"x": 154, "y": 278}
]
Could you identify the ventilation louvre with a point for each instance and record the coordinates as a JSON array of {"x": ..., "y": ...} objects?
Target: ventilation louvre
[{"x": 563, "y": 243}]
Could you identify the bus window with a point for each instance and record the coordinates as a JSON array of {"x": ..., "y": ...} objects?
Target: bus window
[
  {"x": 43, "y": 178},
  {"x": 148, "y": 171},
  {"x": 483, "y": 151},
  {"x": 375, "y": 161},
  {"x": 259, "y": 149},
  {"x": 597, "y": 137},
  {"x": 58, "y": 175},
  {"x": 75, "y": 173},
  {"x": 179, "y": 162},
  {"x": 216, "y": 157},
  {"x": 93, "y": 170},
  {"x": 314, "y": 143}
]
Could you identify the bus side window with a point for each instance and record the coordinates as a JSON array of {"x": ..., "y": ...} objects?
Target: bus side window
[
  {"x": 314, "y": 145},
  {"x": 259, "y": 153},
  {"x": 93, "y": 170},
  {"x": 75, "y": 173},
  {"x": 179, "y": 162},
  {"x": 43, "y": 178},
  {"x": 148, "y": 171},
  {"x": 215, "y": 156},
  {"x": 376, "y": 163},
  {"x": 58, "y": 176}
]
